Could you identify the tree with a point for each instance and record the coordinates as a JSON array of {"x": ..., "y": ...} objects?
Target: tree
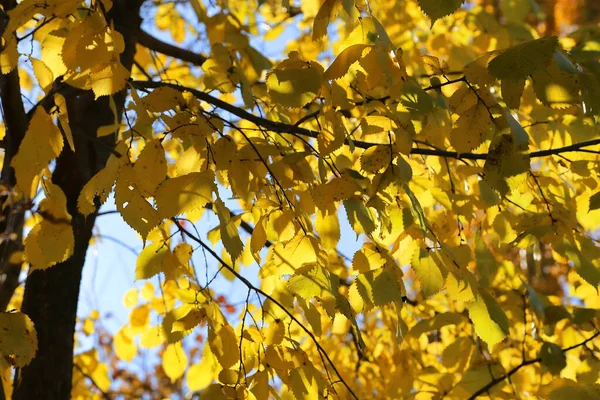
[{"x": 457, "y": 141}]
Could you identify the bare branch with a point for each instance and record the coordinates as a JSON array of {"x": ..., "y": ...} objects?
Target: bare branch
[{"x": 149, "y": 41}]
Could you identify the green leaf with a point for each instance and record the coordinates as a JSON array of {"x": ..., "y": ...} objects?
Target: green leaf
[
  {"x": 553, "y": 357},
  {"x": 512, "y": 91},
  {"x": 520, "y": 61},
  {"x": 553, "y": 314},
  {"x": 538, "y": 302},
  {"x": 594, "y": 202},
  {"x": 589, "y": 392},
  {"x": 436, "y": 9},
  {"x": 360, "y": 217}
]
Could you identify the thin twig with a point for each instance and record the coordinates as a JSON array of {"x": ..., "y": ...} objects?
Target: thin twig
[
  {"x": 249, "y": 285},
  {"x": 524, "y": 363},
  {"x": 281, "y": 128}
]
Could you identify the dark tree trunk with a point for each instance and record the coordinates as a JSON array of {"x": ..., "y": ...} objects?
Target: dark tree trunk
[
  {"x": 51, "y": 295},
  {"x": 11, "y": 217}
]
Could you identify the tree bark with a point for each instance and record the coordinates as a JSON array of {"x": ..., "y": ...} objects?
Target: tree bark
[
  {"x": 51, "y": 295},
  {"x": 11, "y": 217}
]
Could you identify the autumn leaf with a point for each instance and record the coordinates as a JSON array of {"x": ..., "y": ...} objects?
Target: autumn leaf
[{"x": 436, "y": 9}]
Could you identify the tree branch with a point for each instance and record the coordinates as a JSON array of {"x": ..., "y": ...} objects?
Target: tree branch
[
  {"x": 510, "y": 373},
  {"x": 149, "y": 41},
  {"x": 280, "y": 127},
  {"x": 250, "y": 286}
]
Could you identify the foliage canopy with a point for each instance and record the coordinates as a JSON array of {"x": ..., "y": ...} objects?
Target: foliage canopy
[{"x": 457, "y": 140}]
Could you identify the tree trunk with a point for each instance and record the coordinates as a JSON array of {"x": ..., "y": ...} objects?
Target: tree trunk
[
  {"x": 11, "y": 217},
  {"x": 51, "y": 295}
]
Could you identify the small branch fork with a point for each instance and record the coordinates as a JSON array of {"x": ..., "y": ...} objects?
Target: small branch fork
[
  {"x": 283, "y": 128},
  {"x": 251, "y": 287},
  {"x": 525, "y": 363}
]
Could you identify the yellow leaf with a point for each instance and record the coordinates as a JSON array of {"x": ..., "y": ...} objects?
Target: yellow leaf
[
  {"x": 19, "y": 338},
  {"x": 470, "y": 128},
  {"x": 63, "y": 118},
  {"x": 174, "y": 361},
  {"x": 139, "y": 317},
  {"x": 218, "y": 69},
  {"x": 162, "y": 99},
  {"x": 229, "y": 232},
  {"x": 313, "y": 281},
  {"x": 9, "y": 57},
  {"x": 42, "y": 73},
  {"x": 327, "y": 13},
  {"x": 150, "y": 168},
  {"x": 130, "y": 299},
  {"x": 131, "y": 203},
  {"x": 360, "y": 217},
  {"x": 184, "y": 194},
  {"x": 436, "y": 323},
  {"x": 48, "y": 244},
  {"x": 306, "y": 382},
  {"x": 344, "y": 60},
  {"x": 328, "y": 228},
  {"x": 491, "y": 323},
  {"x": 260, "y": 388},
  {"x": 556, "y": 88},
  {"x": 54, "y": 206},
  {"x": 301, "y": 250},
  {"x": 522, "y": 60},
  {"x": 258, "y": 239},
  {"x": 51, "y": 51},
  {"x": 150, "y": 260},
  {"x": 101, "y": 378},
  {"x": 110, "y": 80},
  {"x": 376, "y": 158},
  {"x": 280, "y": 225},
  {"x": 88, "y": 327},
  {"x": 368, "y": 258},
  {"x": 221, "y": 340},
  {"x": 152, "y": 337},
  {"x": 200, "y": 375},
  {"x": 429, "y": 273},
  {"x": 214, "y": 392},
  {"x": 374, "y": 289},
  {"x": 436, "y": 9},
  {"x": 294, "y": 82},
  {"x": 42, "y": 143},
  {"x": 125, "y": 348},
  {"x": 229, "y": 376},
  {"x": 101, "y": 184}
]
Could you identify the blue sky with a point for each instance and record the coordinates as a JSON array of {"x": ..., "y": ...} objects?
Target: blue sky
[{"x": 109, "y": 269}]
